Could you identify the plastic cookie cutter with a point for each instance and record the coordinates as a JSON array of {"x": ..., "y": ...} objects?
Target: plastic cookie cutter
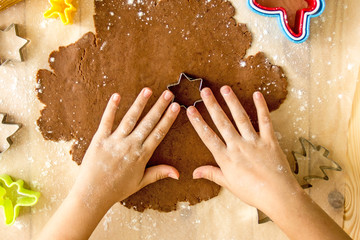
[
  {"x": 8, "y": 39},
  {"x": 8, "y": 129},
  {"x": 61, "y": 8},
  {"x": 185, "y": 89},
  {"x": 301, "y": 31},
  {"x": 8, "y": 3},
  {"x": 13, "y": 195}
]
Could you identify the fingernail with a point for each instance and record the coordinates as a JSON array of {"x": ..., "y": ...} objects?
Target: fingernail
[
  {"x": 168, "y": 95},
  {"x": 115, "y": 97},
  {"x": 197, "y": 175},
  {"x": 173, "y": 175},
  {"x": 206, "y": 92},
  {"x": 257, "y": 95},
  {"x": 191, "y": 111},
  {"x": 147, "y": 92},
  {"x": 175, "y": 107},
  {"x": 225, "y": 90}
]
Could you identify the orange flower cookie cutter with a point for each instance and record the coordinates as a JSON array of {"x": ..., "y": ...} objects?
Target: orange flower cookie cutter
[{"x": 63, "y": 9}]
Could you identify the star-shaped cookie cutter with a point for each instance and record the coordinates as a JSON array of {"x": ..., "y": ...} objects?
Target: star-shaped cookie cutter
[
  {"x": 11, "y": 204},
  {"x": 61, "y": 8},
  {"x": 15, "y": 127},
  {"x": 182, "y": 77},
  {"x": 302, "y": 24},
  {"x": 14, "y": 29}
]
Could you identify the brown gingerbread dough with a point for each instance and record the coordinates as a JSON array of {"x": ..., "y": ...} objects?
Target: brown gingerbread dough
[
  {"x": 145, "y": 43},
  {"x": 291, "y": 7}
]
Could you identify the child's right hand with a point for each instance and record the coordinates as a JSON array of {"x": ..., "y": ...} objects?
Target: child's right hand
[
  {"x": 251, "y": 165},
  {"x": 255, "y": 169}
]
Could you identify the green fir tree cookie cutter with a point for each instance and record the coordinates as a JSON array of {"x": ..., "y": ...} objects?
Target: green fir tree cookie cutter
[{"x": 11, "y": 200}]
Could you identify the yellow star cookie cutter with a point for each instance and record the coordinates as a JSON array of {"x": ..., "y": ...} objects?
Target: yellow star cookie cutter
[
  {"x": 13, "y": 195},
  {"x": 61, "y": 8}
]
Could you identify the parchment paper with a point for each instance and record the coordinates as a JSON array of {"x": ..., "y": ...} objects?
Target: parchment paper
[{"x": 322, "y": 76}]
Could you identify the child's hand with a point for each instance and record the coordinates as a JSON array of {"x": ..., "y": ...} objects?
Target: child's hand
[
  {"x": 114, "y": 165},
  {"x": 251, "y": 165}
]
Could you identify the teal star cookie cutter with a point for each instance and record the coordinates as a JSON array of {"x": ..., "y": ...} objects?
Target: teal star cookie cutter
[{"x": 11, "y": 200}]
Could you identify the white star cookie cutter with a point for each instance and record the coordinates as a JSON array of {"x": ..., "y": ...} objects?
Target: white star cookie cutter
[
  {"x": 6, "y": 131},
  {"x": 8, "y": 39}
]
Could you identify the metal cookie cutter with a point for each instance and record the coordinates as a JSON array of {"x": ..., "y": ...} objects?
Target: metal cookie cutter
[
  {"x": 11, "y": 201},
  {"x": 301, "y": 31},
  {"x": 13, "y": 31},
  {"x": 325, "y": 163},
  {"x": 184, "y": 77},
  {"x": 11, "y": 127}
]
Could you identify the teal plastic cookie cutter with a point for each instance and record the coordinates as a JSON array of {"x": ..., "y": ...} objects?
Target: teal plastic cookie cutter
[{"x": 13, "y": 195}]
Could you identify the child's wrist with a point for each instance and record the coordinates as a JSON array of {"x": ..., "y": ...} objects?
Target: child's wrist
[
  {"x": 287, "y": 204},
  {"x": 90, "y": 197}
]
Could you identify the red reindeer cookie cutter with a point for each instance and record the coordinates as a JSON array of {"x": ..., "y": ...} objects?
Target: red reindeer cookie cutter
[{"x": 300, "y": 32}]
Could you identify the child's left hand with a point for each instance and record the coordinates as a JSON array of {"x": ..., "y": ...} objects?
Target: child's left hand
[{"x": 114, "y": 166}]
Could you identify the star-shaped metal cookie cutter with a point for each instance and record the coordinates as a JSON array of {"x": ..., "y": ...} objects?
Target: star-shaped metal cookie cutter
[
  {"x": 182, "y": 77},
  {"x": 14, "y": 128},
  {"x": 14, "y": 29},
  {"x": 11, "y": 204}
]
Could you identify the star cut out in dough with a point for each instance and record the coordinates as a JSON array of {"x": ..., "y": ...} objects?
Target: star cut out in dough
[
  {"x": 11, "y": 45},
  {"x": 6, "y": 131},
  {"x": 301, "y": 31},
  {"x": 63, "y": 9},
  {"x": 186, "y": 90},
  {"x": 13, "y": 195}
]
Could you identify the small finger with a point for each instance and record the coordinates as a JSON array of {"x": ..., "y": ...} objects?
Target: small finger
[
  {"x": 163, "y": 127},
  {"x": 133, "y": 114},
  {"x": 239, "y": 114},
  {"x": 148, "y": 123},
  {"x": 207, "y": 135},
  {"x": 156, "y": 173},
  {"x": 222, "y": 122},
  {"x": 265, "y": 124},
  {"x": 108, "y": 117},
  {"x": 211, "y": 173}
]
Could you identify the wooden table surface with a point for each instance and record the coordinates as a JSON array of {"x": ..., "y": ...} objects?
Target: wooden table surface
[{"x": 323, "y": 73}]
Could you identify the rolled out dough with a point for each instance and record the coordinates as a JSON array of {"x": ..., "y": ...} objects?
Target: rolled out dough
[{"x": 145, "y": 43}]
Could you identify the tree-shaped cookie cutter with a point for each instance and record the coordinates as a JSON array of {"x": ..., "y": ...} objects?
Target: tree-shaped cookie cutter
[
  {"x": 184, "y": 77},
  {"x": 13, "y": 27},
  {"x": 302, "y": 25},
  {"x": 15, "y": 127},
  {"x": 305, "y": 153},
  {"x": 11, "y": 204}
]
